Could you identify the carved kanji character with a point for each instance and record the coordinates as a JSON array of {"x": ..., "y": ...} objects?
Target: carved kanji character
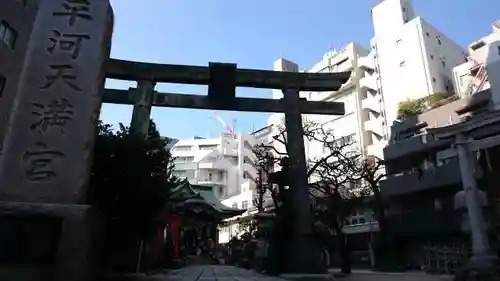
[
  {"x": 75, "y": 9},
  {"x": 70, "y": 42},
  {"x": 55, "y": 114},
  {"x": 40, "y": 161},
  {"x": 63, "y": 72}
]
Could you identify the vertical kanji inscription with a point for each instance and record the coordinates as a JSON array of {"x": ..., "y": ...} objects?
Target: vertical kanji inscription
[
  {"x": 39, "y": 162},
  {"x": 61, "y": 73},
  {"x": 75, "y": 10},
  {"x": 57, "y": 113},
  {"x": 68, "y": 42}
]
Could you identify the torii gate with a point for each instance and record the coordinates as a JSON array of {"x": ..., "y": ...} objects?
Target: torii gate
[{"x": 222, "y": 80}]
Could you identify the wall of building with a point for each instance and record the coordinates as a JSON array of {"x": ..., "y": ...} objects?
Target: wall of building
[
  {"x": 219, "y": 162},
  {"x": 478, "y": 52},
  {"x": 407, "y": 48},
  {"x": 422, "y": 57},
  {"x": 19, "y": 16}
]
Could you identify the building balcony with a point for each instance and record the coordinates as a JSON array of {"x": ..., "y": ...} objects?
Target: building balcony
[
  {"x": 212, "y": 182},
  {"x": 414, "y": 181},
  {"x": 418, "y": 145},
  {"x": 369, "y": 83},
  {"x": 251, "y": 170},
  {"x": 375, "y": 149},
  {"x": 372, "y": 103},
  {"x": 186, "y": 166},
  {"x": 216, "y": 165},
  {"x": 366, "y": 63},
  {"x": 230, "y": 151},
  {"x": 248, "y": 153},
  {"x": 375, "y": 126}
]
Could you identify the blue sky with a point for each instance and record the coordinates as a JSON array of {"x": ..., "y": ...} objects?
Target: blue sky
[{"x": 253, "y": 34}]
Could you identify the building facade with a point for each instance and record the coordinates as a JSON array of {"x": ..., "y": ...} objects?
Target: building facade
[
  {"x": 424, "y": 179},
  {"x": 425, "y": 215},
  {"x": 405, "y": 48},
  {"x": 16, "y": 23},
  {"x": 224, "y": 162},
  {"x": 472, "y": 76}
]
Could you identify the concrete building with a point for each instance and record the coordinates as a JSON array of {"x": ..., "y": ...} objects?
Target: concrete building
[
  {"x": 405, "y": 48},
  {"x": 224, "y": 162},
  {"x": 16, "y": 23},
  {"x": 425, "y": 174},
  {"x": 245, "y": 198},
  {"x": 425, "y": 177},
  {"x": 408, "y": 59},
  {"x": 471, "y": 76},
  {"x": 412, "y": 58}
]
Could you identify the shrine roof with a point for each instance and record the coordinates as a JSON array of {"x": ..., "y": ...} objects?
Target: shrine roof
[{"x": 200, "y": 199}]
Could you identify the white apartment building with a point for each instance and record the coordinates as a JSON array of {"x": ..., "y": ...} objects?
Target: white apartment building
[
  {"x": 472, "y": 76},
  {"x": 408, "y": 59},
  {"x": 224, "y": 162},
  {"x": 245, "y": 199},
  {"x": 227, "y": 164}
]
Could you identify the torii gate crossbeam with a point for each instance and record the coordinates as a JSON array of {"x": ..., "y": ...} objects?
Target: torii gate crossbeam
[{"x": 222, "y": 80}]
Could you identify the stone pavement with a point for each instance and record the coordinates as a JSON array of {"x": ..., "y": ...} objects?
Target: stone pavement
[
  {"x": 231, "y": 273},
  {"x": 368, "y": 275},
  {"x": 212, "y": 273}
]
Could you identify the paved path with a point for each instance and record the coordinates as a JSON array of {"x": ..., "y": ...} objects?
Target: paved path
[
  {"x": 367, "y": 275},
  {"x": 213, "y": 273},
  {"x": 231, "y": 273}
]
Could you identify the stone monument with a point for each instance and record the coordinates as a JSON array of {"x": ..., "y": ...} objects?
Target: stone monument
[{"x": 45, "y": 226}]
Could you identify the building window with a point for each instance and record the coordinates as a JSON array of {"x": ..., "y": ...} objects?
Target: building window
[
  {"x": 235, "y": 205},
  {"x": 208, "y": 147},
  {"x": 433, "y": 80},
  {"x": 244, "y": 204},
  {"x": 432, "y": 57},
  {"x": 2, "y": 85},
  {"x": 184, "y": 160},
  {"x": 443, "y": 63},
  {"x": 8, "y": 35},
  {"x": 427, "y": 34},
  {"x": 439, "y": 40},
  {"x": 183, "y": 148}
]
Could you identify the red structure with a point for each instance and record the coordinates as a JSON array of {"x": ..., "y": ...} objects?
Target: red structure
[{"x": 196, "y": 213}]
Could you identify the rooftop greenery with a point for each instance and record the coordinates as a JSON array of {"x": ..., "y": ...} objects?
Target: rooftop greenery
[{"x": 411, "y": 108}]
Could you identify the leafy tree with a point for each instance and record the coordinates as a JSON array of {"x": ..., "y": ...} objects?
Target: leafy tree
[
  {"x": 130, "y": 181},
  {"x": 410, "y": 108}
]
